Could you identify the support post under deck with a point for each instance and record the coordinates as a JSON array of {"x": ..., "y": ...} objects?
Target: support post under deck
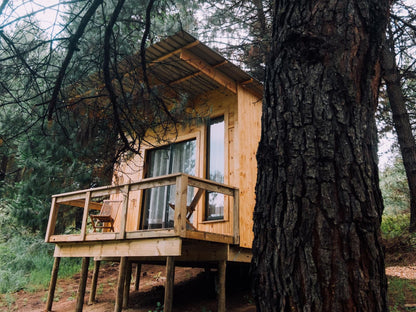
[
  {"x": 126, "y": 292},
  {"x": 137, "y": 277},
  {"x": 93, "y": 292},
  {"x": 52, "y": 284},
  {"x": 82, "y": 284},
  {"x": 170, "y": 277},
  {"x": 222, "y": 264},
  {"x": 120, "y": 284}
]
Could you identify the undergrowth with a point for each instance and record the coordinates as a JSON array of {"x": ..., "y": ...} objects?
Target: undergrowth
[{"x": 26, "y": 263}]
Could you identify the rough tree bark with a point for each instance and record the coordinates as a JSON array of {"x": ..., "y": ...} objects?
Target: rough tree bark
[
  {"x": 318, "y": 212},
  {"x": 392, "y": 77}
]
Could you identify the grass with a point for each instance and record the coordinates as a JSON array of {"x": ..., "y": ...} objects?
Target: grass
[
  {"x": 401, "y": 292},
  {"x": 26, "y": 264}
]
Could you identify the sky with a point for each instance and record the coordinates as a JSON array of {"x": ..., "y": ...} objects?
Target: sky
[{"x": 50, "y": 16}]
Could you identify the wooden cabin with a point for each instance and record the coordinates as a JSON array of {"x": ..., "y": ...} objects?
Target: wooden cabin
[{"x": 188, "y": 200}]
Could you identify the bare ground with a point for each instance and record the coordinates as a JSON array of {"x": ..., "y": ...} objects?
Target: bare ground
[{"x": 194, "y": 290}]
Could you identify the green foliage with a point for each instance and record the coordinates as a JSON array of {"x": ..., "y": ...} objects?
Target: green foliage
[
  {"x": 26, "y": 263},
  {"x": 393, "y": 185},
  {"x": 400, "y": 292},
  {"x": 393, "y": 226}
]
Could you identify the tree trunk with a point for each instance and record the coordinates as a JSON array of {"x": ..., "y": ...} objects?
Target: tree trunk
[
  {"x": 318, "y": 211},
  {"x": 401, "y": 122}
]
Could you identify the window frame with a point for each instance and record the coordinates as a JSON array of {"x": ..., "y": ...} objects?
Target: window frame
[{"x": 221, "y": 118}]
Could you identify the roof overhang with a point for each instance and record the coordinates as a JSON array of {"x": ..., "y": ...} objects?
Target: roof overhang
[{"x": 181, "y": 61}]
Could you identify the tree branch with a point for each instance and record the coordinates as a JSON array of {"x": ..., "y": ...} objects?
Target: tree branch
[
  {"x": 107, "y": 75},
  {"x": 71, "y": 49}
]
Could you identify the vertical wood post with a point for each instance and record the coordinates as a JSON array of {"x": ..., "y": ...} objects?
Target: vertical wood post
[
  {"x": 120, "y": 284},
  {"x": 221, "y": 285},
  {"x": 126, "y": 292},
  {"x": 123, "y": 219},
  {"x": 137, "y": 277},
  {"x": 180, "y": 205},
  {"x": 53, "y": 214},
  {"x": 82, "y": 284},
  {"x": 52, "y": 285},
  {"x": 170, "y": 278},
  {"x": 85, "y": 215},
  {"x": 91, "y": 299},
  {"x": 236, "y": 216}
]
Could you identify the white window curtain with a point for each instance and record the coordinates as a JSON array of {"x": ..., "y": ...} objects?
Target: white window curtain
[{"x": 177, "y": 157}]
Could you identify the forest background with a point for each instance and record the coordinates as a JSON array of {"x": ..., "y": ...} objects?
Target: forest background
[{"x": 46, "y": 148}]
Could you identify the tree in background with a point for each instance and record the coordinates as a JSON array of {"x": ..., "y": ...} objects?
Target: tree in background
[
  {"x": 400, "y": 40},
  {"x": 60, "y": 132},
  {"x": 318, "y": 211},
  {"x": 393, "y": 183}
]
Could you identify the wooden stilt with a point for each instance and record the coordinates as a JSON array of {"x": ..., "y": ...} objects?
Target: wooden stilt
[
  {"x": 120, "y": 284},
  {"x": 221, "y": 285},
  {"x": 91, "y": 299},
  {"x": 52, "y": 285},
  {"x": 126, "y": 292},
  {"x": 137, "y": 277},
  {"x": 170, "y": 277},
  {"x": 82, "y": 284}
]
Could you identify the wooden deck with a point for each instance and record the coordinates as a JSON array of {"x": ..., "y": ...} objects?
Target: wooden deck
[{"x": 139, "y": 243}]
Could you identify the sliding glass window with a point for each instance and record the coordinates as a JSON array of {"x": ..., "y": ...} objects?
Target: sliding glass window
[{"x": 177, "y": 157}]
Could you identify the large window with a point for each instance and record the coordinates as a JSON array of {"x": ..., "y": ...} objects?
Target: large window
[
  {"x": 215, "y": 167},
  {"x": 177, "y": 157}
]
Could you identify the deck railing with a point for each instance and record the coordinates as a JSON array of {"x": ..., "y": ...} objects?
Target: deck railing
[{"x": 83, "y": 199}]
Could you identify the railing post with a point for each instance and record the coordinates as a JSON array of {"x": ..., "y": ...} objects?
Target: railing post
[
  {"x": 180, "y": 205},
  {"x": 236, "y": 216},
  {"x": 85, "y": 215},
  {"x": 53, "y": 214},
  {"x": 123, "y": 220}
]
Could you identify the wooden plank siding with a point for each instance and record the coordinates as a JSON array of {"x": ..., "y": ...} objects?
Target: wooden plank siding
[
  {"x": 249, "y": 116},
  {"x": 242, "y": 115}
]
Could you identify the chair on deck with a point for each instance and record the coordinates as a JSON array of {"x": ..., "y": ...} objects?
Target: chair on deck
[
  {"x": 191, "y": 208},
  {"x": 106, "y": 216}
]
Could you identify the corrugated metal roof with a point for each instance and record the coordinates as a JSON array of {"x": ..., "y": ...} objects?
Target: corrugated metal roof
[{"x": 166, "y": 65}]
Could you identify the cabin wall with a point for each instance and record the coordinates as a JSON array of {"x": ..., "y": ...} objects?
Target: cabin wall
[
  {"x": 249, "y": 117},
  {"x": 131, "y": 169}
]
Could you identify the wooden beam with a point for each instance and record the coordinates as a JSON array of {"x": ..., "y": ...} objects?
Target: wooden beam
[
  {"x": 221, "y": 285},
  {"x": 120, "y": 284},
  {"x": 195, "y": 74},
  {"x": 236, "y": 217},
  {"x": 166, "y": 56},
  {"x": 210, "y": 237},
  {"x": 239, "y": 254},
  {"x": 170, "y": 279},
  {"x": 211, "y": 186},
  {"x": 53, "y": 214},
  {"x": 81, "y": 203},
  {"x": 52, "y": 284},
  {"x": 122, "y": 248},
  {"x": 85, "y": 215},
  {"x": 126, "y": 292},
  {"x": 77, "y": 237},
  {"x": 137, "y": 276},
  {"x": 209, "y": 70},
  {"x": 180, "y": 204},
  {"x": 82, "y": 284},
  {"x": 94, "y": 281},
  {"x": 123, "y": 215}
]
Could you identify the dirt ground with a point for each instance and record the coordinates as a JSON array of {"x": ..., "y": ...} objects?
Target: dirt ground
[{"x": 194, "y": 290}]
